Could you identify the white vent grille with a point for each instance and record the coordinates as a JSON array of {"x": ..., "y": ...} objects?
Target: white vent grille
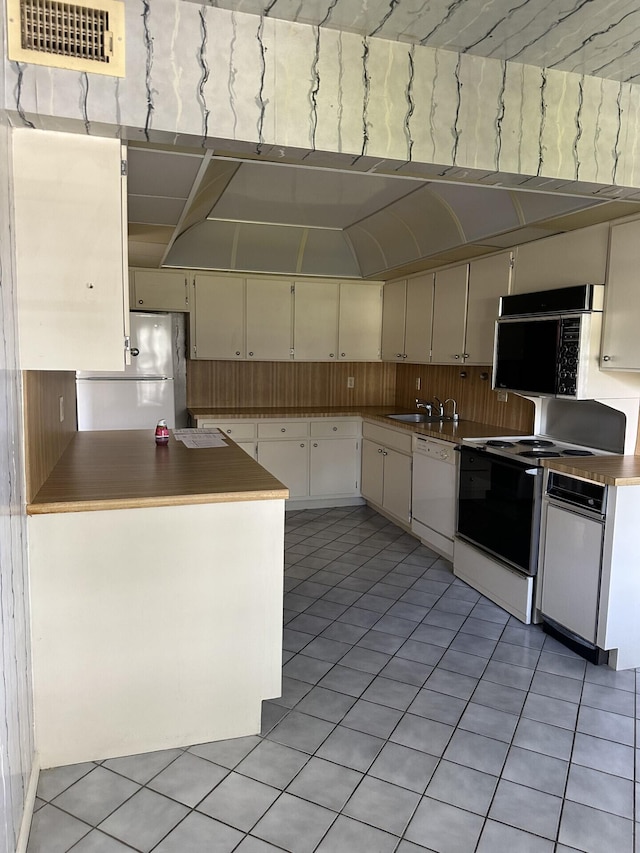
[{"x": 68, "y": 35}]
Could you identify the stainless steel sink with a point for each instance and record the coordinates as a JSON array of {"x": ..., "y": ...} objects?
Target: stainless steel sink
[{"x": 417, "y": 418}]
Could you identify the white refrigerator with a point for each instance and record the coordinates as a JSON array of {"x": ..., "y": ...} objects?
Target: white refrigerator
[{"x": 150, "y": 388}]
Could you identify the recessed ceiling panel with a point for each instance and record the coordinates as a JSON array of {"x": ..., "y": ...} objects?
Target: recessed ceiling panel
[
  {"x": 267, "y": 248},
  {"x": 479, "y": 210},
  {"x": 317, "y": 198},
  {"x": 328, "y": 253},
  {"x": 155, "y": 211},
  {"x": 207, "y": 246},
  {"x": 161, "y": 173}
]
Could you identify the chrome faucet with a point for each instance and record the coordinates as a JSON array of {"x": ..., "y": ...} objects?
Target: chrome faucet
[
  {"x": 454, "y": 413},
  {"x": 424, "y": 404},
  {"x": 440, "y": 407}
]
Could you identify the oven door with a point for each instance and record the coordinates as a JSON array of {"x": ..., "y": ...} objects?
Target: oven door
[{"x": 499, "y": 507}]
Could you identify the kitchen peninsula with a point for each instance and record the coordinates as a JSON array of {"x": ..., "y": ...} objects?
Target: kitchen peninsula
[{"x": 156, "y": 590}]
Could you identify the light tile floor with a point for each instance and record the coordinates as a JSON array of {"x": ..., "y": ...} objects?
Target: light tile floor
[{"x": 415, "y": 716}]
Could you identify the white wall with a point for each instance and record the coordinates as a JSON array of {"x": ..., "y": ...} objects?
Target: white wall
[{"x": 16, "y": 721}]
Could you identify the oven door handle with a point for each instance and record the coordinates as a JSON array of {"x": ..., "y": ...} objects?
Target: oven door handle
[{"x": 533, "y": 472}]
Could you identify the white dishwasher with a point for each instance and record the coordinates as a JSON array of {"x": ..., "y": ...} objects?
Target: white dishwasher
[{"x": 435, "y": 478}]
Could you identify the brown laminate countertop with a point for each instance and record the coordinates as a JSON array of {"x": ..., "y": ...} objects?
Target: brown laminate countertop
[
  {"x": 445, "y": 430},
  {"x": 611, "y": 470},
  {"x": 124, "y": 469}
]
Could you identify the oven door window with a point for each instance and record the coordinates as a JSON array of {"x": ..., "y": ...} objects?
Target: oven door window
[
  {"x": 496, "y": 508},
  {"x": 527, "y": 355}
]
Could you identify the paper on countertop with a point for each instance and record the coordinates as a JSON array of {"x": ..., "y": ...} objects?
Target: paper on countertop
[{"x": 200, "y": 437}]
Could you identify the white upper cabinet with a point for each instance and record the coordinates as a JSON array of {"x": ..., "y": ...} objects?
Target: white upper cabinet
[
  {"x": 449, "y": 314},
  {"x": 69, "y": 201},
  {"x": 359, "y": 321},
  {"x": 576, "y": 257},
  {"x": 394, "y": 305},
  {"x": 406, "y": 319},
  {"x": 269, "y": 319},
  {"x": 419, "y": 318},
  {"x": 315, "y": 330},
  {"x": 621, "y": 337},
  {"x": 489, "y": 279},
  {"x": 217, "y": 319},
  {"x": 159, "y": 290}
]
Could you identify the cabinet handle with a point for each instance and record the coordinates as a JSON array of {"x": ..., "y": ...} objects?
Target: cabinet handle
[
  {"x": 237, "y": 352},
  {"x": 465, "y": 355},
  {"x": 343, "y": 355},
  {"x": 250, "y": 353},
  {"x": 405, "y": 355},
  {"x": 457, "y": 356},
  {"x": 140, "y": 301},
  {"x": 302, "y": 444},
  {"x": 335, "y": 429},
  {"x": 332, "y": 355},
  {"x": 384, "y": 453},
  {"x": 283, "y": 429},
  {"x": 398, "y": 355},
  {"x": 380, "y": 450},
  {"x": 315, "y": 443},
  {"x": 228, "y": 432},
  {"x": 606, "y": 358}
]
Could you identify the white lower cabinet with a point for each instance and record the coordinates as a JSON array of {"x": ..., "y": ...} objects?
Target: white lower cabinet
[
  {"x": 315, "y": 459},
  {"x": 334, "y": 466},
  {"x": 386, "y": 470},
  {"x": 288, "y": 460}
]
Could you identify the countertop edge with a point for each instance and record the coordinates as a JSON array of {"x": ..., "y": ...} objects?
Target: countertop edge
[{"x": 50, "y": 508}]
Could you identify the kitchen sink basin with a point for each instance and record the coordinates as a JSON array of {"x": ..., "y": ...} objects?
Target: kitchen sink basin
[{"x": 417, "y": 418}]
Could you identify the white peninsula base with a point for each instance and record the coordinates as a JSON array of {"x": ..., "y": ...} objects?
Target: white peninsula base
[{"x": 154, "y": 627}]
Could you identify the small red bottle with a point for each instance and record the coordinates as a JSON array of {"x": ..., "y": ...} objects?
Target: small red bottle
[{"x": 162, "y": 432}]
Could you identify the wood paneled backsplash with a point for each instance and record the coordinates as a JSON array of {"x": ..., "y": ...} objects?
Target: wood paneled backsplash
[
  {"x": 46, "y": 436},
  {"x": 476, "y": 401},
  {"x": 289, "y": 383}
]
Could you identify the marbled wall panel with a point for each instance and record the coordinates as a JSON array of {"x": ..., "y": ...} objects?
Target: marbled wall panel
[
  {"x": 342, "y": 93},
  {"x": 628, "y": 169},
  {"x": 388, "y": 101},
  {"x": 521, "y": 122},
  {"x": 196, "y": 71},
  {"x": 436, "y": 95},
  {"x": 16, "y": 720},
  {"x": 480, "y": 115}
]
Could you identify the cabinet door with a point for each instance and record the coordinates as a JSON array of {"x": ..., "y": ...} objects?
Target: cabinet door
[
  {"x": 160, "y": 290},
  {"x": 419, "y": 319},
  {"x": 449, "y": 312},
  {"x": 397, "y": 485},
  {"x": 69, "y": 227},
  {"x": 620, "y": 338},
  {"x": 269, "y": 319},
  {"x": 489, "y": 279},
  {"x": 334, "y": 466},
  {"x": 372, "y": 471},
  {"x": 289, "y": 462},
  {"x": 394, "y": 296},
  {"x": 218, "y": 317},
  {"x": 360, "y": 321},
  {"x": 562, "y": 260},
  {"x": 315, "y": 325},
  {"x": 571, "y": 571}
]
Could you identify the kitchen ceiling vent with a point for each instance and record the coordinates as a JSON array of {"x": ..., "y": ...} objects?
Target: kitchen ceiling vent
[{"x": 76, "y": 36}]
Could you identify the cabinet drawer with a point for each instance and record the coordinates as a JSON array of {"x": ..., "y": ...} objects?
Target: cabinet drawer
[
  {"x": 237, "y": 431},
  {"x": 283, "y": 429},
  {"x": 388, "y": 437},
  {"x": 335, "y": 429}
]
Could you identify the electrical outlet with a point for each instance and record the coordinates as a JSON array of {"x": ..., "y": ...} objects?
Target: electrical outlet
[
  {"x": 61, "y": 408},
  {"x": 503, "y": 396},
  {"x": 351, "y": 382},
  {"x": 418, "y": 383}
]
